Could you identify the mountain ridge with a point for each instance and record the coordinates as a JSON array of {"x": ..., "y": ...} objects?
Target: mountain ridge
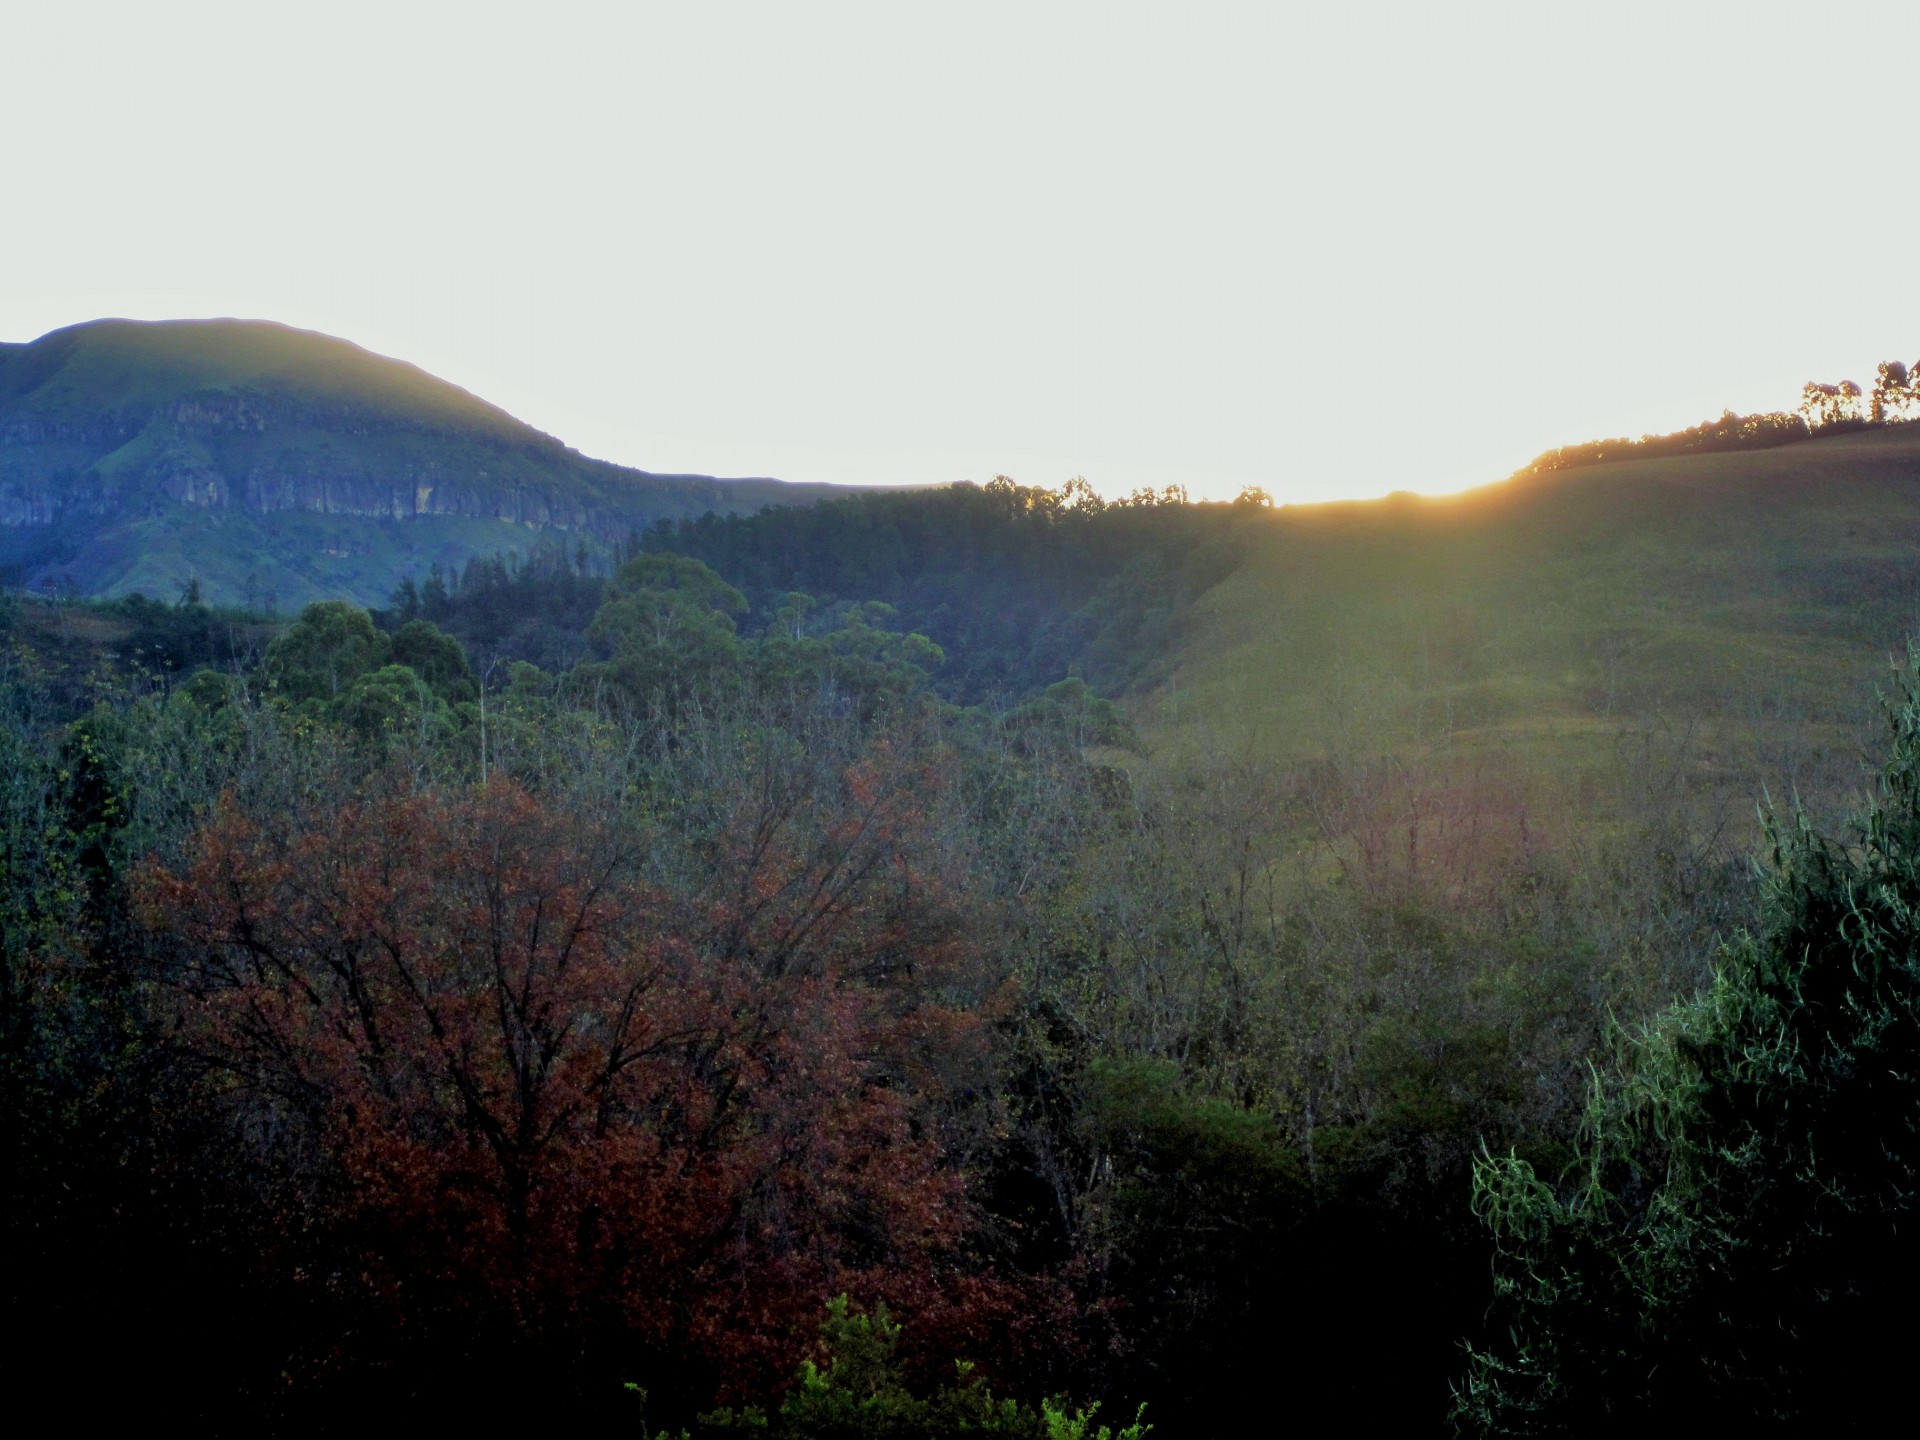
[{"x": 115, "y": 434}]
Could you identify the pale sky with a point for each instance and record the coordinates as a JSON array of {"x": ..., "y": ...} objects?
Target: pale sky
[{"x": 1328, "y": 249}]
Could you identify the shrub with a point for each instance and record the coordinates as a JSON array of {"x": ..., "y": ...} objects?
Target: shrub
[
  {"x": 1735, "y": 1236},
  {"x": 861, "y": 1394}
]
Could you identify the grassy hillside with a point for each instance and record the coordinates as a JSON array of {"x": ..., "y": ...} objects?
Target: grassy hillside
[
  {"x": 128, "y": 367},
  {"x": 1735, "y": 610}
]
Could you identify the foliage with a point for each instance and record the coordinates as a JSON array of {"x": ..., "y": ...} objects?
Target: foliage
[
  {"x": 318, "y": 657},
  {"x": 667, "y": 627},
  {"x": 438, "y": 660},
  {"x": 1896, "y": 393},
  {"x": 1828, "y": 407},
  {"x": 1733, "y": 1238},
  {"x": 1017, "y": 585},
  {"x": 1068, "y": 714},
  {"x": 533, "y": 607},
  {"x": 542, "y": 1097},
  {"x": 461, "y": 1045},
  {"x": 333, "y": 662},
  {"x": 861, "y": 1393}
]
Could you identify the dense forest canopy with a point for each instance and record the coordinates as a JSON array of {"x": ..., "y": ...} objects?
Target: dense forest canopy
[
  {"x": 1018, "y": 586},
  {"x": 769, "y": 985}
]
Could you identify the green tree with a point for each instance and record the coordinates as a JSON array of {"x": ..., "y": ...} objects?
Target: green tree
[
  {"x": 436, "y": 658},
  {"x": 861, "y": 1394},
  {"x": 668, "y": 630},
  {"x": 1068, "y": 715},
  {"x": 320, "y": 655},
  {"x": 1736, "y": 1238},
  {"x": 393, "y": 701}
]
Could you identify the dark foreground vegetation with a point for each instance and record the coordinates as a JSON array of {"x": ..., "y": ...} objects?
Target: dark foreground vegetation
[{"x": 723, "y": 1027}]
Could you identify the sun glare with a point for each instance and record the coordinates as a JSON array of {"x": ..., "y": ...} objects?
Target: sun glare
[{"x": 1325, "y": 253}]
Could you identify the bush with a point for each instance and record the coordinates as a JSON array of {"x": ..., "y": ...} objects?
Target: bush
[
  {"x": 861, "y": 1394},
  {"x": 1735, "y": 1237}
]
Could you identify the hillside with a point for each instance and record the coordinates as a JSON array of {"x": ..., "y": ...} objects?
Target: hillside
[
  {"x": 1732, "y": 612},
  {"x": 280, "y": 465}
]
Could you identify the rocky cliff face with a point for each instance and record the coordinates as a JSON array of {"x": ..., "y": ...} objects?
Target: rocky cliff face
[
  {"x": 23, "y": 430},
  {"x": 266, "y": 454}
]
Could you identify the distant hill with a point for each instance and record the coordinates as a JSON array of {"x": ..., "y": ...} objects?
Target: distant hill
[
  {"x": 1727, "y": 614},
  {"x": 278, "y": 466}
]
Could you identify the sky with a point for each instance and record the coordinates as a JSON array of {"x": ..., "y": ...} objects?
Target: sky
[{"x": 1329, "y": 250}]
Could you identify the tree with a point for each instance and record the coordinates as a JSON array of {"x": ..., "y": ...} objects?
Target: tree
[
  {"x": 1736, "y": 1238},
  {"x": 1894, "y": 392},
  {"x": 405, "y": 600},
  {"x": 1068, "y": 716},
  {"x": 1077, "y": 496},
  {"x": 319, "y": 656},
  {"x": 668, "y": 630},
  {"x": 437, "y": 659},
  {"x": 1830, "y": 405},
  {"x": 494, "y": 1078},
  {"x": 864, "y": 666},
  {"x": 395, "y": 702}
]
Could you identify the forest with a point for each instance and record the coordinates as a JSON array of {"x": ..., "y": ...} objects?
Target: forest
[{"x": 770, "y": 985}]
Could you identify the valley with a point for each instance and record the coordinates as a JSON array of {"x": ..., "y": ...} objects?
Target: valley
[{"x": 1153, "y": 953}]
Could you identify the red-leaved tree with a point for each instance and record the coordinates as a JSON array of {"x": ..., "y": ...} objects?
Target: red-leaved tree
[{"x": 504, "y": 1087}]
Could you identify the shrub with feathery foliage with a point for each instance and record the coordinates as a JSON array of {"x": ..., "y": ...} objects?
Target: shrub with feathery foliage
[{"x": 1736, "y": 1237}]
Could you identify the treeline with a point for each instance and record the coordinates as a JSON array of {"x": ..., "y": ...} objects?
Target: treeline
[
  {"x": 1018, "y": 585},
  {"x": 533, "y": 606},
  {"x": 1825, "y": 409}
]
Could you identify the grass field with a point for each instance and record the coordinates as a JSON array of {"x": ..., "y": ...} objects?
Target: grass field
[{"x": 1730, "y": 614}]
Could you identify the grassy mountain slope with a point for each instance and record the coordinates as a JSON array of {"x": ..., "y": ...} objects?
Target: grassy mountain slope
[
  {"x": 1735, "y": 609},
  {"x": 277, "y": 461},
  {"x": 129, "y": 368}
]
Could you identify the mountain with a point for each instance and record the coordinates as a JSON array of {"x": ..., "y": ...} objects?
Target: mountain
[{"x": 280, "y": 465}]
